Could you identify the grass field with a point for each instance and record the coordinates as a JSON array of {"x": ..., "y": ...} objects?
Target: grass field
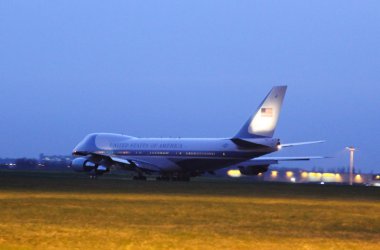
[{"x": 69, "y": 211}]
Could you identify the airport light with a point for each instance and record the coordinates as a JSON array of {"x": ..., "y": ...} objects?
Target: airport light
[
  {"x": 289, "y": 174},
  {"x": 235, "y": 173},
  {"x": 274, "y": 174},
  {"x": 328, "y": 177},
  {"x": 304, "y": 175},
  {"x": 338, "y": 177},
  {"x": 352, "y": 151},
  {"x": 358, "y": 178},
  {"x": 313, "y": 176}
]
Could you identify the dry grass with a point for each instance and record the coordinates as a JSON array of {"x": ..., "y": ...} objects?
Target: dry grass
[{"x": 53, "y": 212}]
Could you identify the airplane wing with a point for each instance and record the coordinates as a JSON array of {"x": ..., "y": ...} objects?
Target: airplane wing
[
  {"x": 128, "y": 163},
  {"x": 299, "y": 144}
]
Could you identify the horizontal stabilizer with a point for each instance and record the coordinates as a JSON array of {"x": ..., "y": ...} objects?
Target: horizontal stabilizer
[
  {"x": 262, "y": 161},
  {"x": 300, "y": 143},
  {"x": 299, "y": 158}
]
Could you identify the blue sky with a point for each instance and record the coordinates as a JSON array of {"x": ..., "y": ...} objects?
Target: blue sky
[{"x": 189, "y": 69}]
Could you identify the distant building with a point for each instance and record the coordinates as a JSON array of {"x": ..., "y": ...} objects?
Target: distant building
[
  {"x": 55, "y": 158},
  {"x": 54, "y": 161},
  {"x": 45, "y": 162}
]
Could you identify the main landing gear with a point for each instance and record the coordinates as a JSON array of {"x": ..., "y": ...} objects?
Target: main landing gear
[{"x": 93, "y": 176}]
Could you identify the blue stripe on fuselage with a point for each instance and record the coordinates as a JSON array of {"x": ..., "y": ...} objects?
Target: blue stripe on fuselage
[{"x": 187, "y": 154}]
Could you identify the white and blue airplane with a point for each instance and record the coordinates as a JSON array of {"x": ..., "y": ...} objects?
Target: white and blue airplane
[{"x": 182, "y": 158}]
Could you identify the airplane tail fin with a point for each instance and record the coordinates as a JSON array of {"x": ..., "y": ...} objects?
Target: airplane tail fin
[{"x": 263, "y": 122}]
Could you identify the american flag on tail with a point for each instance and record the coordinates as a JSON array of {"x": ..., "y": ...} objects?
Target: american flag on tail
[{"x": 266, "y": 112}]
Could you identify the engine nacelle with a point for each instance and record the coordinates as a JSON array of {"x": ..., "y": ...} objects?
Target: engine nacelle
[
  {"x": 82, "y": 164},
  {"x": 253, "y": 170}
]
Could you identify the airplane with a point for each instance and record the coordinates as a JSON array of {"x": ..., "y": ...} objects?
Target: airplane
[{"x": 183, "y": 158}]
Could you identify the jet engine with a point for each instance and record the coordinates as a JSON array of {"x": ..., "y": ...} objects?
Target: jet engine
[
  {"x": 84, "y": 164},
  {"x": 253, "y": 170}
]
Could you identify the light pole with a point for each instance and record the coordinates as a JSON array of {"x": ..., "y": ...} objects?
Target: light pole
[{"x": 352, "y": 151}]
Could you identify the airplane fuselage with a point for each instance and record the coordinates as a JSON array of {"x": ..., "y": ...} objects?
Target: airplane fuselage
[{"x": 174, "y": 154}]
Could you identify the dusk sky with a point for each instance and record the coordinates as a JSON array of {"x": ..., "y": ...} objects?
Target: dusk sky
[{"x": 190, "y": 69}]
